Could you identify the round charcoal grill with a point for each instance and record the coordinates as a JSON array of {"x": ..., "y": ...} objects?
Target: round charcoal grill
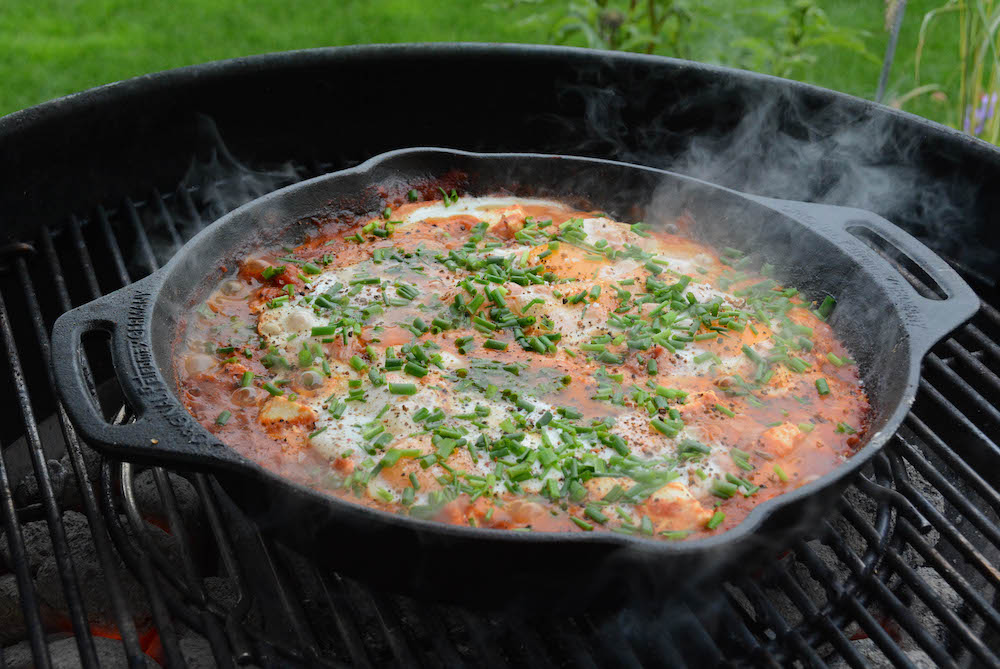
[{"x": 113, "y": 564}]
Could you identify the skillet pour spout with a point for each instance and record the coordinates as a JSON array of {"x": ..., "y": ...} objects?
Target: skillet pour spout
[{"x": 885, "y": 322}]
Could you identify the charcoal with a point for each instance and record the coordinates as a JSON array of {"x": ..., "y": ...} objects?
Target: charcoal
[
  {"x": 151, "y": 504},
  {"x": 92, "y": 465},
  {"x": 12, "y": 627},
  {"x": 28, "y": 492},
  {"x": 37, "y": 544},
  {"x": 66, "y": 655},
  {"x": 90, "y": 577},
  {"x": 197, "y": 651},
  {"x": 223, "y": 590},
  {"x": 161, "y": 540}
]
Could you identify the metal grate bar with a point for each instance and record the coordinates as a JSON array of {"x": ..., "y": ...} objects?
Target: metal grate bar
[
  {"x": 951, "y": 533},
  {"x": 402, "y": 655},
  {"x": 982, "y": 341},
  {"x": 489, "y": 654},
  {"x": 83, "y": 255},
  {"x": 123, "y": 619},
  {"x": 163, "y": 214},
  {"x": 210, "y": 624},
  {"x": 304, "y": 635},
  {"x": 145, "y": 248},
  {"x": 917, "y": 584},
  {"x": 773, "y": 619},
  {"x": 970, "y": 395},
  {"x": 950, "y": 575},
  {"x": 833, "y": 633},
  {"x": 433, "y": 617},
  {"x": 968, "y": 475},
  {"x": 344, "y": 624},
  {"x": 376, "y": 628},
  {"x": 610, "y": 644},
  {"x": 115, "y": 250},
  {"x": 60, "y": 546},
  {"x": 899, "y": 611},
  {"x": 958, "y": 417},
  {"x": 25, "y": 587},
  {"x": 196, "y": 592},
  {"x": 950, "y": 493},
  {"x": 140, "y": 564},
  {"x": 821, "y": 572},
  {"x": 237, "y": 639},
  {"x": 695, "y": 630},
  {"x": 223, "y": 543},
  {"x": 976, "y": 366}
]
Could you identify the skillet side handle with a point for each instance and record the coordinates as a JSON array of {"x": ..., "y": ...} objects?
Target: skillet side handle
[
  {"x": 847, "y": 226},
  {"x": 163, "y": 432}
]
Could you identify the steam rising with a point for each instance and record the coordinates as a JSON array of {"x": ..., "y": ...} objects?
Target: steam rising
[
  {"x": 777, "y": 141},
  {"x": 785, "y": 146}
]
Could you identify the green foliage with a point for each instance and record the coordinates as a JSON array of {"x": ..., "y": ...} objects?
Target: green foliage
[
  {"x": 798, "y": 29},
  {"x": 978, "y": 64},
  {"x": 781, "y": 37},
  {"x": 626, "y": 25}
]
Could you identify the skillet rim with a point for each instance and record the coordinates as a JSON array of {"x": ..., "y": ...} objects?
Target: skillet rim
[{"x": 233, "y": 461}]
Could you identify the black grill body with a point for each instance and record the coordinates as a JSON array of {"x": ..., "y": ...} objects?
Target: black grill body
[{"x": 101, "y": 188}]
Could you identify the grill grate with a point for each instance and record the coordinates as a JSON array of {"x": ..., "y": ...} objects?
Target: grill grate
[{"x": 903, "y": 570}]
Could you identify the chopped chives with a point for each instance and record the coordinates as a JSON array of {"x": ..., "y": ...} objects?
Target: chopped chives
[
  {"x": 317, "y": 432},
  {"x": 357, "y": 363},
  {"x": 595, "y": 513},
  {"x": 835, "y": 359},
  {"x": 663, "y": 427},
  {"x": 609, "y": 358},
  {"x": 247, "y": 379},
  {"x": 725, "y": 410},
  {"x": 781, "y": 473},
  {"x": 324, "y": 330},
  {"x": 403, "y": 388},
  {"x": 413, "y": 369},
  {"x": 615, "y": 494},
  {"x": 822, "y": 387},
  {"x": 826, "y": 308},
  {"x": 723, "y": 489},
  {"x": 223, "y": 418},
  {"x": 715, "y": 520},
  {"x": 582, "y": 524},
  {"x": 310, "y": 268},
  {"x": 495, "y": 345},
  {"x": 269, "y": 273},
  {"x": 272, "y": 389}
]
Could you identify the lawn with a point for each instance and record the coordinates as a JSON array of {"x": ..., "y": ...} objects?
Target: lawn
[{"x": 50, "y": 48}]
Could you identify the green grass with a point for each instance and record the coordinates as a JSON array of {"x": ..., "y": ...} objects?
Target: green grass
[{"x": 50, "y": 48}]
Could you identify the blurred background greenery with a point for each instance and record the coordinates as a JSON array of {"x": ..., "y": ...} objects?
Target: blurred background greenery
[{"x": 50, "y": 48}]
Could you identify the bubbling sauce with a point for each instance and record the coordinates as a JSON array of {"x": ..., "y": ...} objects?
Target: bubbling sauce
[{"x": 512, "y": 363}]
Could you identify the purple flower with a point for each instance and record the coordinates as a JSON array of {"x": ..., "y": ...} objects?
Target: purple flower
[{"x": 983, "y": 112}]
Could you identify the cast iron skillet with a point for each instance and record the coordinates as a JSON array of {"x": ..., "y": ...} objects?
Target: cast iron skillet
[{"x": 887, "y": 325}]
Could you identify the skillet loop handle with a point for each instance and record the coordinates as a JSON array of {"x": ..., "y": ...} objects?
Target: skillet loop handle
[
  {"x": 163, "y": 432},
  {"x": 943, "y": 302}
]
